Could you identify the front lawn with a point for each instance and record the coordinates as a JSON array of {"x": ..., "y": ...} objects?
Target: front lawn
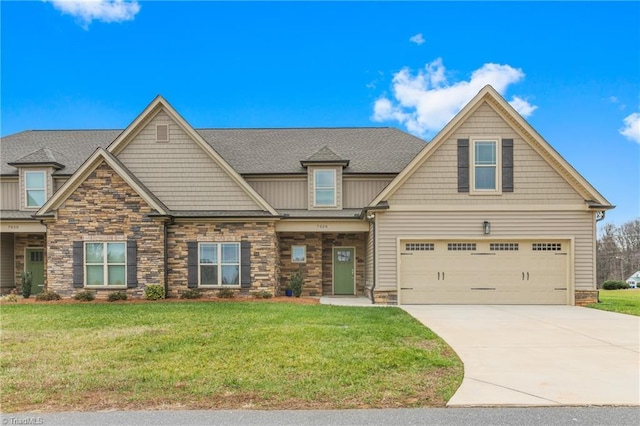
[
  {"x": 229, "y": 355},
  {"x": 623, "y": 301}
]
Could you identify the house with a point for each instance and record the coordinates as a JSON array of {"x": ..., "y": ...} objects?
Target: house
[
  {"x": 634, "y": 280},
  {"x": 485, "y": 213}
]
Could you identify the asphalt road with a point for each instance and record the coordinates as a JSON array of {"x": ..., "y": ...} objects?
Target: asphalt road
[{"x": 546, "y": 416}]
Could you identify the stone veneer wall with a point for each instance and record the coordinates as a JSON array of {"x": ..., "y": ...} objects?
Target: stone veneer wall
[
  {"x": 586, "y": 297},
  {"x": 311, "y": 270},
  {"x": 21, "y": 242},
  {"x": 265, "y": 269},
  {"x": 357, "y": 240},
  {"x": 104, "y": 207}
]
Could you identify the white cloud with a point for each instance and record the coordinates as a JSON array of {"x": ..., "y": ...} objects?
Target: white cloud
[
  {"x": 425, "y": 102},
  {"x": 417, "y": 39},
  {"x": 87, "y": 11},
  {"x": 631, "y": 129}
]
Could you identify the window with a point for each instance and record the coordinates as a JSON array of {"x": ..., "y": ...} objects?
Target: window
[
  {"x": 461, "y": 246},
  {"x": 546, "y": 246},
  {"x": 504, "y": 246},
  {"x": 485, "y": 166},
  {"x": 35, "y": 188},
  {"x": 219, "y": 264},
  {"x": 298, "y": 254},
  {"x": 105, "y": 264},
  {"x": 418, "y": 246},
  {"x": 325, "y": 188}
]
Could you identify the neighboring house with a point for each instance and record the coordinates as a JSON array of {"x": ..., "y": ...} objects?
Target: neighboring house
[
  {"x": 487, "y": 212},
  {"x": 634, "y": 280}
]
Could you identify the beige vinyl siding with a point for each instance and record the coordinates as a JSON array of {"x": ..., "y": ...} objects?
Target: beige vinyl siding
[
  {"x": 180, "y": 173},
  {"x": 6, "y": 262},
  {"x": 359, "y": 192},
  {"x": 10, "y": 197},
  {"x": 369, "y": 257},
  {"x": 436, "y": 181},
  {"x": 311, "y": 187},
  {"x": 285, "y": 193},
  {"x": 58, "y": 182},
  {"x": 468, "y": 225}
]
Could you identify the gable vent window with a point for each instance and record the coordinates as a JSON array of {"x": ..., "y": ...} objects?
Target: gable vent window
[
  {"x": 162, "y": 133},
  {"x": 546, "y": 247},
  {"x": 418, "y": 246},
  {"x": 461, "y": 246},
  {"x": 504, "y": 246}
]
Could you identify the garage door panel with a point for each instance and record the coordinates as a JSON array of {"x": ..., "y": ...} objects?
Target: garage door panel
[{"x": 484, "y": 272}]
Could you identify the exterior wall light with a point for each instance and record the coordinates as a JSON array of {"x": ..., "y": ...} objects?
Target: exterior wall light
[{"x": 486, "y": 227}]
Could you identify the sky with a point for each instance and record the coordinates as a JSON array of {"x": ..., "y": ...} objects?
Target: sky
[{"x": 572, "y": 69}]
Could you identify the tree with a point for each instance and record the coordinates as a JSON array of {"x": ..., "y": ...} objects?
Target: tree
[{"x": 618, "y": 251}]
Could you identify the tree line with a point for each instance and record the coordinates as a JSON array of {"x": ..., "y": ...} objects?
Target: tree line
[{"x": 618, "y": 251}]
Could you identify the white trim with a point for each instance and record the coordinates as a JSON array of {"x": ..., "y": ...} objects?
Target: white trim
[
  {"x": 335, "y": 188},
  {"x": 333, "y": 267},
  {"x": 219, "y": 265},
  {"x": 472, "y": 166},
  {"x": 105, "y": 264},
  {"x": 488, "y": 207},
  {"x": 304, "y": 259}
]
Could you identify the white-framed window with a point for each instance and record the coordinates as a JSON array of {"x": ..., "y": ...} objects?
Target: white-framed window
[
  {"x": 485, "y": 173},
  {"x": 219, "y": 264},
  {"x": 298, "y": 254},
  {"x": 324, "y": 190},
  {"x": 35, "y": 187},
  {"x": 105, "y": 264}
]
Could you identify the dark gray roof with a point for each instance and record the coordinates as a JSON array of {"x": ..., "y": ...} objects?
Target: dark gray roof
[
  {"x": 248, "y": 151},
  {"x": 218, "y": 213},
  {"x": 42, "y": 156},
  {"x": 321, "y": 214},
  {"x": 16, "y": 215}
]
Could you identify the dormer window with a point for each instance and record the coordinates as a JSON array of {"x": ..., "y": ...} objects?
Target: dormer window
[
  {"x": 324, "y": 188},
  {"x": 35, "y": 188}
]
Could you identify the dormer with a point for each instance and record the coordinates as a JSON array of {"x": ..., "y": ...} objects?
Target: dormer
[
  {"x": 35, "y": 172},
  {"x": 324, "y": 177}
]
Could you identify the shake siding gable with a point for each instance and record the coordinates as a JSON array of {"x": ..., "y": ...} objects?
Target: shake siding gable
[
  {"x": 180, "y": 173},
  {"x": 535, "y": 182}
]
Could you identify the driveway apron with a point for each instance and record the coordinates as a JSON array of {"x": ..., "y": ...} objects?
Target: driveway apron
[{"x": 539, "y": 355}]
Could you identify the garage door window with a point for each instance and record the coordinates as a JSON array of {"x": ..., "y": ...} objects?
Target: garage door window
[
  {"x": 546, "y": 247},
  {"x": 461, "y": 246},
  {"x": 504, "y": 246},
  {"x": 418, "y": 246}
]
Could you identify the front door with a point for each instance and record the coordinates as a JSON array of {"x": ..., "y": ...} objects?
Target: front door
[
  {"x": 34, "y": 263},
  {"x": 343, "y": 270}
]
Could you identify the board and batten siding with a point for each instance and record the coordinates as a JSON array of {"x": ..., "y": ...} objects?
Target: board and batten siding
[
  {"x": 10, "y": 195},
  {"x": 288, "y": 193},
  {"x": 7, "y": 261},
  {"x": 535, "y": 181},
  {"x": 180, "y": 173},
  {"x": 511, "y": 225},
  {"x": 359, "y": 192}
]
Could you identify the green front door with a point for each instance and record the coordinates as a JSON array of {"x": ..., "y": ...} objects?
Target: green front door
[
  {"x": 34, "y": 263},
  {"x": 343, "y": 270}
]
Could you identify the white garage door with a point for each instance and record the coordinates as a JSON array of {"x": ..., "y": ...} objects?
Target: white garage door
[{"x": 484, "y": 272}]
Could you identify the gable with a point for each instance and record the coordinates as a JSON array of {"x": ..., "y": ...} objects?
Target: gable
[
  {"x": 179, "y": 173},
  {"x": 436, "y": 180}
]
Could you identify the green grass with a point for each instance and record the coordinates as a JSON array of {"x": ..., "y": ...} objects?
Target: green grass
[
  {"x": 622, "y": 301},
  {"x": 219, "y": 355}
]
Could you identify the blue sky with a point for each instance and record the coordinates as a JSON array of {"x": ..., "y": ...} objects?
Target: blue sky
[{"x": 572, "y": 69}]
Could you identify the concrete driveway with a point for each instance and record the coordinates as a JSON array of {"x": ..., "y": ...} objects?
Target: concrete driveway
[{"x": 540, "y": 355}]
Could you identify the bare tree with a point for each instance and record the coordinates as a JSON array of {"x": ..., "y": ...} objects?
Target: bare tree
[{"x": 618, "y": 251}]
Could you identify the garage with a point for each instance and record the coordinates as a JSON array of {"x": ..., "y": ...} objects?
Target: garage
[{"x": 531, "y": 272}]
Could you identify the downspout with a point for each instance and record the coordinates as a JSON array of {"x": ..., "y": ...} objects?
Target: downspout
[{"x": 371, "y": 218}]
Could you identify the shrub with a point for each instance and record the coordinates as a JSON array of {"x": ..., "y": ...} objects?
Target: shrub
[
  {"x": 263, "y": 294},
  {"x": 296, "y": 283},
  {"x": 614, "y": 285},
  {"x": 11, "y": 297},
  {"x": 26, "y": 280},
  {"x": 85, "y": 296},
  {"x": 226, "y": 293},
  {"x": 154, "y": 292},
  {"x": 118, "y": 295},
  {"x": 48, "y": 295},
  {"x": 192, "y": 293}
]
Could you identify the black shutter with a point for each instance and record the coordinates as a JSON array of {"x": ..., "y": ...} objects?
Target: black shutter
[
  {"x": 78, "y": 264},
  {"x": 463, "y": 165},
  {"x": 132, "y": 264},
  {"x": 245, "y": 264},
  {"x": 192, "y": 264},
  {"x": 507, "y": 165}
]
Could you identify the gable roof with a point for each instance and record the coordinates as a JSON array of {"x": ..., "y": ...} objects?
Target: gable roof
[
  {"x": 43, "y": 156},
  {"x": 160, "y": 104},
  {"x": 529, "y": 135},
  {"x": 100, "y": 156},
  {"x": 324, "y": 156}
]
